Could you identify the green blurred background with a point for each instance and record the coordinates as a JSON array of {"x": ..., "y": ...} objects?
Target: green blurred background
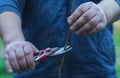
[{"x": 4, "y": 74}]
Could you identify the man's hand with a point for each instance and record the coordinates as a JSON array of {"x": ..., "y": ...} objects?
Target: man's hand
[
  {"x": 19, "y": 56},
  {"x": 18, "y": 52},
  {"x": 87, "y": 19}
]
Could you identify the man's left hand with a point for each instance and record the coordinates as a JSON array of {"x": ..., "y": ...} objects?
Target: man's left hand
[{"x": 87, "y": 19}]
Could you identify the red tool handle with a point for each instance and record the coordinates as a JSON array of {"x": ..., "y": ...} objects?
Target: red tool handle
[
  {"x": 41, "y": 55},
  {"x": 36, "y": 53}
]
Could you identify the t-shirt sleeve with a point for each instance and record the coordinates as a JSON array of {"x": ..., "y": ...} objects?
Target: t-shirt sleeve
[
  {"x": 118, "y": 1},
  {"x": 15, "y": 6}
]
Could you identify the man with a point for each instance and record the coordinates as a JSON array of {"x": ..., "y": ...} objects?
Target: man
[{"x": 27, "y": 26}]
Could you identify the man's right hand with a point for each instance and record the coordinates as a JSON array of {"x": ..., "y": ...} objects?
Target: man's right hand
[
  {"x": 19, "y": 56},
  {"x": 18, "y": 52}
]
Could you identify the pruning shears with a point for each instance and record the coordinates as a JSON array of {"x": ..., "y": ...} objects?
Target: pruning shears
[{"x": 43, "y": 54}]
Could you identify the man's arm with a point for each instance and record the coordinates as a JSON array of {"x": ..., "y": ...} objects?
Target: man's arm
[
  {"x": 90, "y": 18},
  {"x": 111, "y": 10},
  {"x": 10, "y": 28},
  {"x": 18, "y": 52},
  {"x": 9, "y": 20},
  {"x": 118, "y": 2}
]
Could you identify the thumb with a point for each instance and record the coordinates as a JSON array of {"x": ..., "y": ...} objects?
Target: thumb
[{"x": 34, "y": 48}]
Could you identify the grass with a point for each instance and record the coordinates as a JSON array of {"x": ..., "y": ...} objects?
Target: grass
[
  {"x": 4, "y": 74},
  {"x": 117, "y": 44}
]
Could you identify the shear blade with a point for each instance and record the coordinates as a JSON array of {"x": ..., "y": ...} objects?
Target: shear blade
[{"x": 61, "y": 51}]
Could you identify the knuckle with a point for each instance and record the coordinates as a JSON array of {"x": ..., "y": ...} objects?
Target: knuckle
[
  {"x": 98, "y": 27},
  {"x": 6, "y": 51},
  {"x": 28, "y": 50},
  {"x": 17, "y": 45},
  {"x": 27, "y": 53},
  {"x": 12, "y": 58},
  {"x": 81, "y": 9},
  {"x": 86, "y": 27},
  {"x": 6, "y": 57},
  {"x": 86, "y": 17},
  {"x": 75, "y": 25},
  {"x": 101, "y": 25},
  {"x": 94, "y": 7},
  {"x": 31, "y": 62},
  {"x": 27, "y": 43},
  {"x": 92, "y": 23},
  {"x": 97, "y": 9},
  {"x": 20, "y": 57},
  {"x": 73, "y": 16}
]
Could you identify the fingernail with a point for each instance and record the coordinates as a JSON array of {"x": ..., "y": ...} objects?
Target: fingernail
[
  {"x": 10, "y": 70},
  {"x": 72, "y": 28},
  {"x": 32, "y": 68},
  {"x": 69, "y": 21}
]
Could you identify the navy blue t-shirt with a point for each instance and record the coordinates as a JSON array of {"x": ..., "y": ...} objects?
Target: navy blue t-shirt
[{"x": 44, "y": 24}]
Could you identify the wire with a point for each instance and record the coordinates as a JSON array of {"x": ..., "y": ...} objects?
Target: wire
[
  {"x": 61, "y": 65},
  {"x": 67, "y": 42},
  {"x": 69, "y": 31}
]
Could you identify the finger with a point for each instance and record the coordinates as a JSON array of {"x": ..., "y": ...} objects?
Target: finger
[
  {"x": 21, "y": 58},
  {"x": 97, "y": 28},
  {"x": 13, "y": 61},
  {"x": 85, "y": 18},
  {"x": 78, "y": 12},
  {"x": 7, "y": 63},
  {"x": 33, "y": 47},
  {"x": 90, "y": 25},
  {"x": 29, "y": 56}
]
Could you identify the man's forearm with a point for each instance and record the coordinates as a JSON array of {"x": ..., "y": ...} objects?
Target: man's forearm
[
  {"x": 111, "y": 10},
  {"x": 10, "y": 27},
  {"x": 18, "y": 53}
]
